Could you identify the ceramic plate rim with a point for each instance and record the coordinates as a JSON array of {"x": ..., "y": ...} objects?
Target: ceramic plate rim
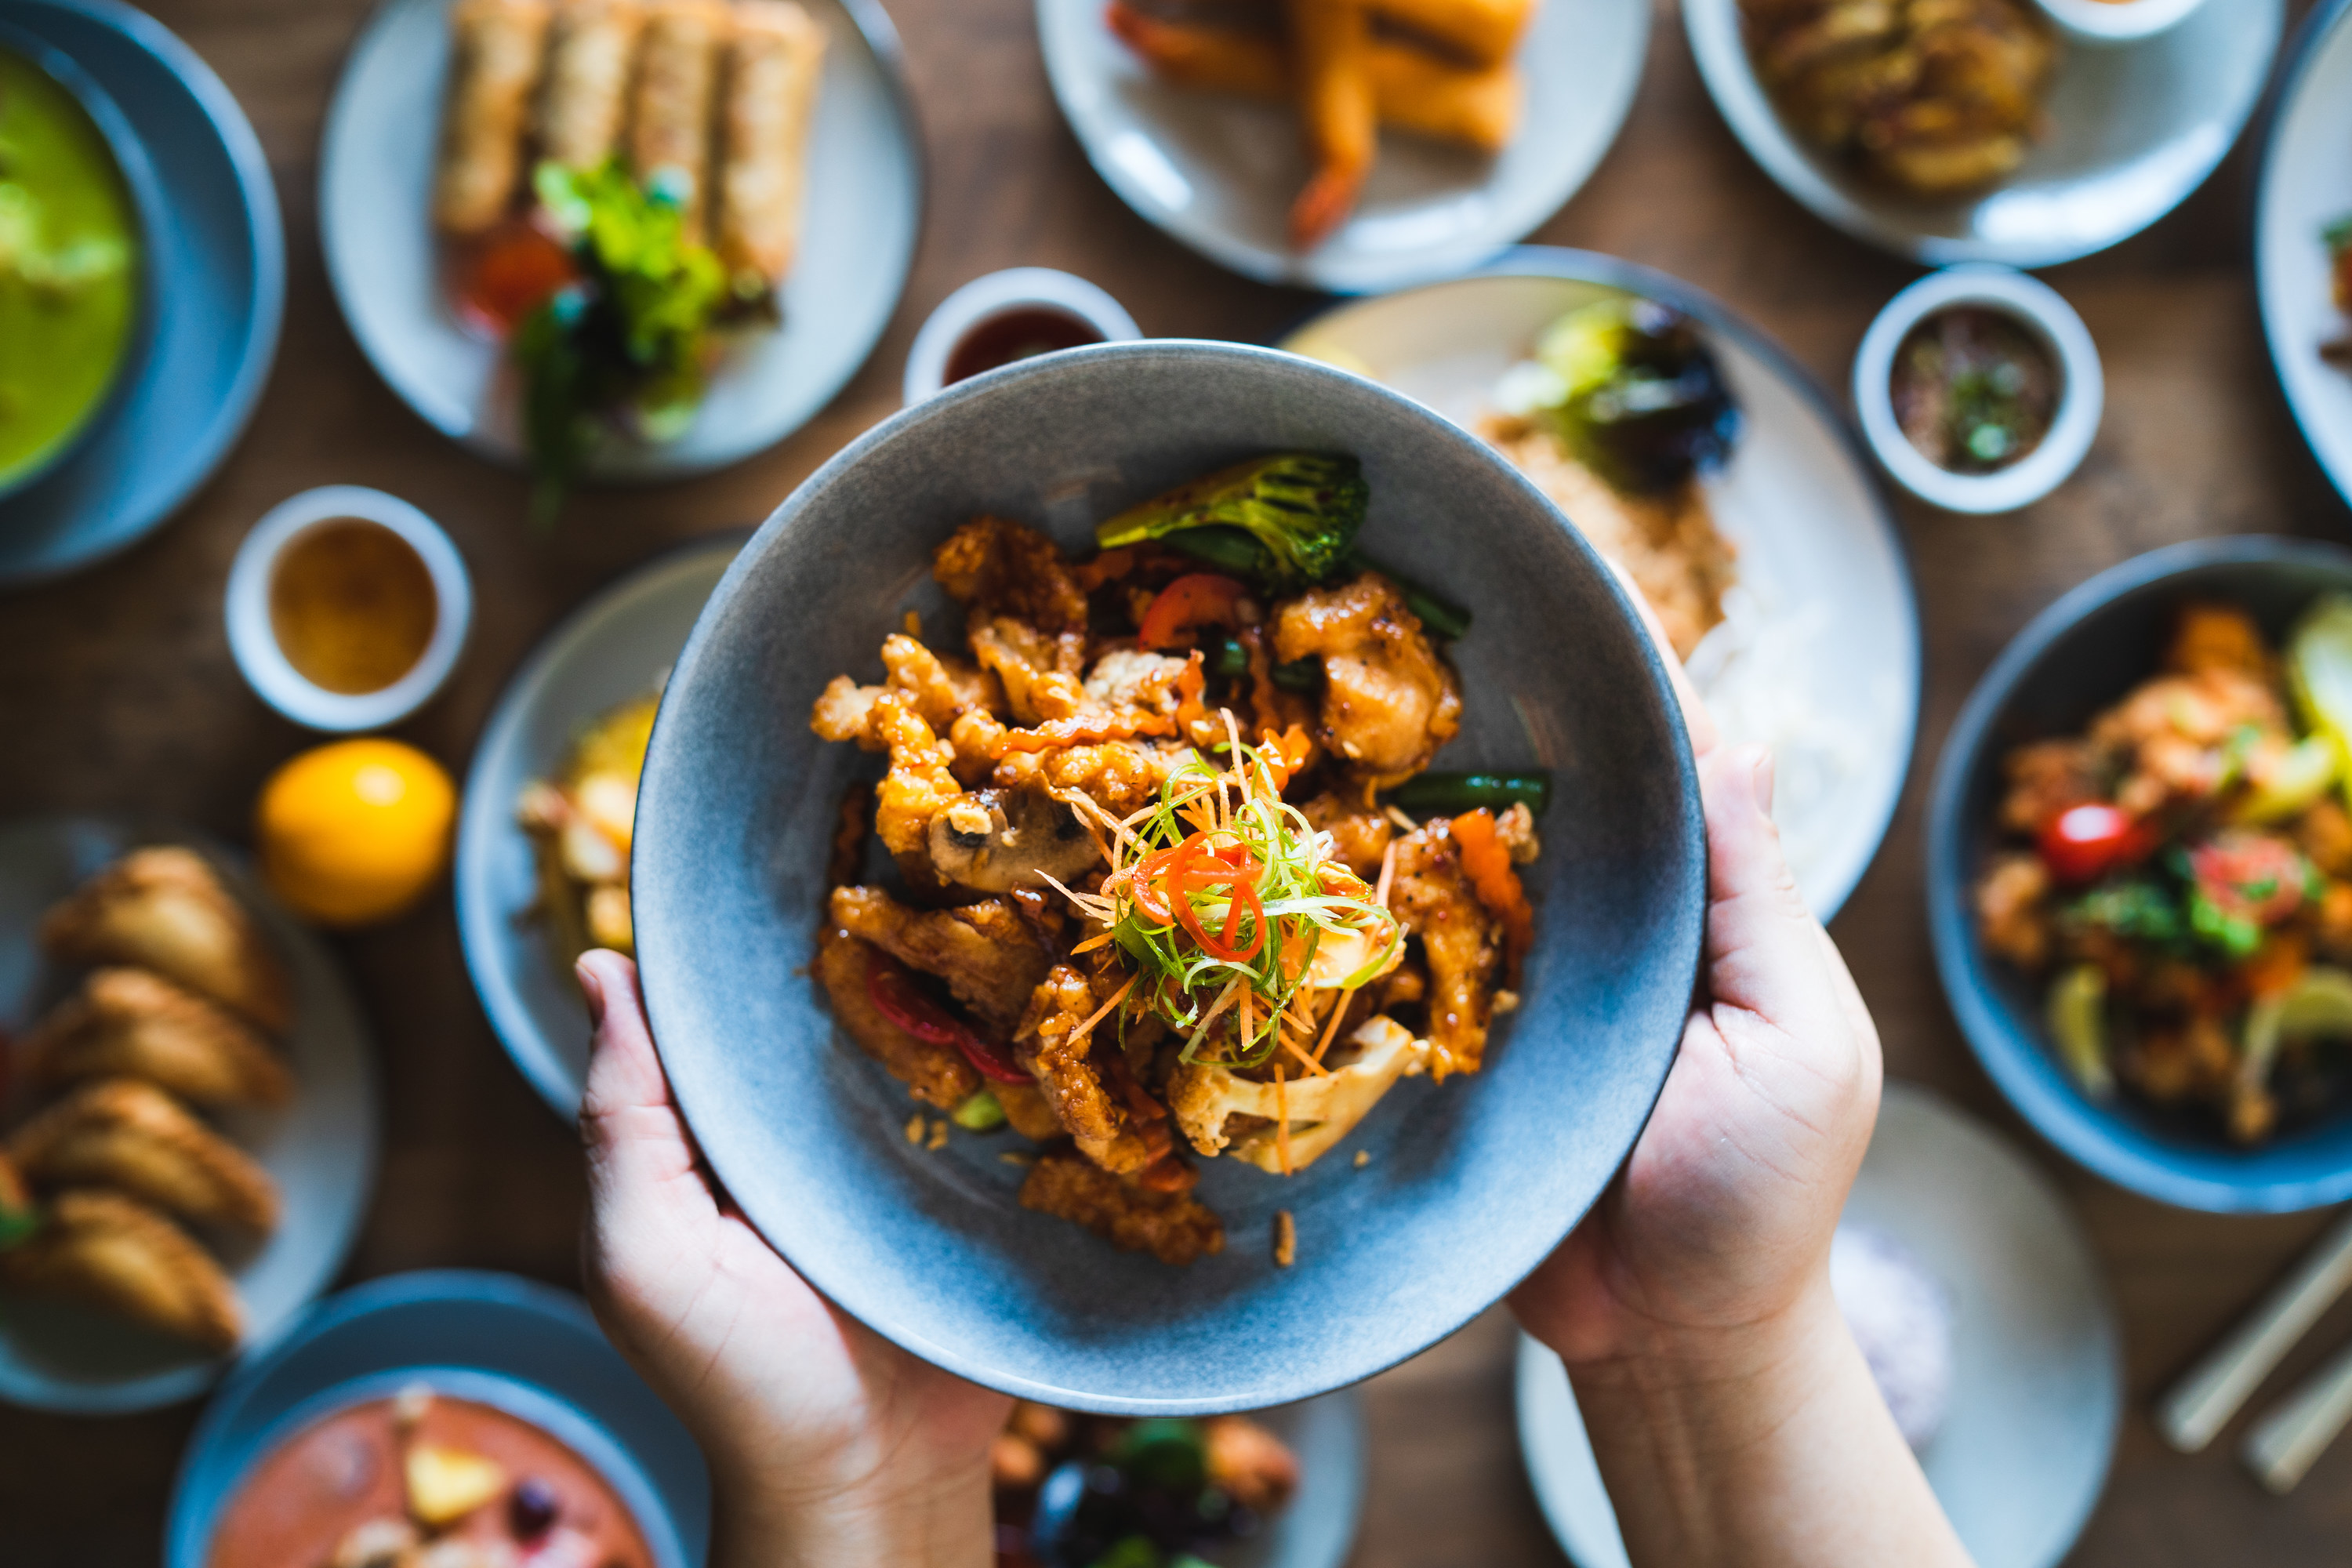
[
  {"x": 478, "y": 914},
  {"x": 256, "y": 356}
]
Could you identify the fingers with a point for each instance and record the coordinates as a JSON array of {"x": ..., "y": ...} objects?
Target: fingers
[{"x": 637, "y": 1144}]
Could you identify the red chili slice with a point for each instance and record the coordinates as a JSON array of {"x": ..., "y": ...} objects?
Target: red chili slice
[
  {"x": 1195, "y": 599},
  {"x": 896, "y": 997}
]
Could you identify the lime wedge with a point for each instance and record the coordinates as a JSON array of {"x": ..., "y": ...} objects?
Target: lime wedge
[
  {"x": 2302, "y": 776},
  {"x": 2319, "y": 668},
  {"x": 2078, "y": 1024}
]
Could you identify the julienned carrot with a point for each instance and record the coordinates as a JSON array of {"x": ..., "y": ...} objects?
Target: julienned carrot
[
  {"x": 1331, "y": 66},
  {"x": 1487, "y": 864}
]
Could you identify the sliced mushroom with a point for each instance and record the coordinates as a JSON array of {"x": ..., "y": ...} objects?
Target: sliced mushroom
[{"x": 994, "y": 840}]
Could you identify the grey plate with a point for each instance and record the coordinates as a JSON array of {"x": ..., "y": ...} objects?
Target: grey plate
[
  {"x": 1468, "y": 1185},
  {"x": 1820, "y": 658},
  {"x": 2305, "y": 185},
  {"x": 521, "y": 1346},
  {"x": 2135, "y": 129},
  {"x": 610, "y": 649},
  {"x": 320, "y": 1150},
  {"x": 863, "y": 205},
  {"x": 2037, "y": 1391},
  {"x": 1219, "y": 172}
]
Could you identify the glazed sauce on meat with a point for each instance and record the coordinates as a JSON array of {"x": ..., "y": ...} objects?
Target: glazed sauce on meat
[
  {"x": 1025, "y": 333},
  {"x": 1974, "y": 389},
  {"x": 345, "y": 1470}
]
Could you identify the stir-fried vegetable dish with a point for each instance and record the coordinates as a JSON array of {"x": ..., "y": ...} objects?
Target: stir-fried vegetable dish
[
  {"x": 2181, "y": 875},
  {"x": 1147, "y": 903}
]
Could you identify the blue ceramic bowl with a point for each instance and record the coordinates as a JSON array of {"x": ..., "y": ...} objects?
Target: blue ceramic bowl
[
  {"x": 1468, "y": 1185},
  {"x": 2079, "y": 656}
]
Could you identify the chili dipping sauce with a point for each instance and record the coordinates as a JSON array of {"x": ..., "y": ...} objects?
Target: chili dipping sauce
[{"x": 1975, "y": 389}]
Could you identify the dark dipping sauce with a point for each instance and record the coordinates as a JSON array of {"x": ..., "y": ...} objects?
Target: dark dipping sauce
[
  {"x": 303, "y": 1502},
  {"x": 1974, "y": 389},
  {"x": 1016, "y": 335}
]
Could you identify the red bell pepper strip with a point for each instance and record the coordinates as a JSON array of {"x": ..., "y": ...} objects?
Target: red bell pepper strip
[
  {"x": 896, "y": 996},
  {"x": 1195, "y": 599}
]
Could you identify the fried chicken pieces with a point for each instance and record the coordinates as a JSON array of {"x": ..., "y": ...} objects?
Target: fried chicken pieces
[
  {"x": 1009, "y": 768},
  {"x": 95, "y": 1187}
]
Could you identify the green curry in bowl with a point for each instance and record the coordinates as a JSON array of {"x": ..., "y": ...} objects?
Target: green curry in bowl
[{"x": 69, "y": 274}]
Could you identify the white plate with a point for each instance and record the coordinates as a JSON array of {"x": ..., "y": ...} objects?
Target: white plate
[
  {"x": 2135, "y": 129},
  {"x": 2037, "y": 1390},
  {"x": 320, "y": 1150},
  {"x": 2305, "y": 184},
  {"x": 864, "y": 204},
  {"x": 1819, "y": 554},
  {"x": 612, "y": 648},
  {"x": 1219, "y": 173}
]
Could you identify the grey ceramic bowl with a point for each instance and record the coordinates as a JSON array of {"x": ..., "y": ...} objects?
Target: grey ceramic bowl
[
  {"x": 1468, "y": 1185},
  {"x": 2076, "y": 658}
]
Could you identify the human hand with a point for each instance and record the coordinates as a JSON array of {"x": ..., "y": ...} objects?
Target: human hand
[{"x": 827, "y": 1444}]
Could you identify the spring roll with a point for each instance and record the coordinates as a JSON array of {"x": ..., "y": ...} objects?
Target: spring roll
[
  {"x": 495, "y": 58},
  {"x": 1331, "y": 76},
  {"x": 587, "y": 91},
  {"x": 1413, "y": 91},
  {"x": 771, "y": 83},
  {"x": 677, "y": 88}
]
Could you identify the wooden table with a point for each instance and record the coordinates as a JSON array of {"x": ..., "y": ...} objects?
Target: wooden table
[{"x": 119, "y": 695}]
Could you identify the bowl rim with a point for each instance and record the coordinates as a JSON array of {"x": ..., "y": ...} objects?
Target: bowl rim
[
  {"x": 2020, "y": 1065},
  {"x": 253, "y": 640},
  {"x": 2104, "y": 23},
  {"x": 2041, "y": 310},
  {"x": 143, "y": 195},
  {"x": 992, "y": 294},
  {"x": 656, "y": 981}
]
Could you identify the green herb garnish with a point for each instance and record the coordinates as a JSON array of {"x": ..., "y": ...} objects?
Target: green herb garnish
[{"x": 629, "y": 339}]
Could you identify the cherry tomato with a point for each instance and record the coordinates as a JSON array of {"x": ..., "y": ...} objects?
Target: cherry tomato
[
  {"x": 896, "y": 996},
  {"x": 511, "y": 272},
  {"x": 2251, "y": 875},
  {"x": 1195, "y": 599},
  {"x": 2085, "y": 842}
]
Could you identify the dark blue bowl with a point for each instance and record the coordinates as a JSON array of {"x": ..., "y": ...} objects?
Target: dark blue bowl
[
  {"x": 1469, "y": 1184},
  {"x": 2079, "y": 656}
]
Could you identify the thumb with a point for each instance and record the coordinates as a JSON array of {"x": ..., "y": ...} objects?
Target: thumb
[
  {"x": 1766, "y": 955},
  {"x": 638, "y": 1143}
]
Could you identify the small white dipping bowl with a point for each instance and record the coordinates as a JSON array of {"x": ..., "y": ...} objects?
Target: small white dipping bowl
[
  {"x": 2082, "y": 394},
  {"x": 2096, "y": 22},
  {"x": 996, "y": 294},
  {"x": 253, "y": 640}
]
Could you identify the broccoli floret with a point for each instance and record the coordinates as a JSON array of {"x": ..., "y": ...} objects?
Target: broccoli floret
[{"x": 1286, "y": 520}]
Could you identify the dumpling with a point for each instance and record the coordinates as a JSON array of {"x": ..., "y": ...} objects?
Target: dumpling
[
  {"x": 165, "y": 909},
  {"x": 127, "y": 1023},
  {"x": 131, "y": 1136}
]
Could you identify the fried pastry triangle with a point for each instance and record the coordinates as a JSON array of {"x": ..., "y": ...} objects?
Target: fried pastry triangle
[
  {"x": 125, "y": 1134},
  {"x": 165, "y": 908},
  {"x": 115, "y": 1254},
  {"x": 128, "y": 1022}
]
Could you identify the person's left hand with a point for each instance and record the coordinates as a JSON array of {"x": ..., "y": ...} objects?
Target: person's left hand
[{"x": 827, "y": 1444}]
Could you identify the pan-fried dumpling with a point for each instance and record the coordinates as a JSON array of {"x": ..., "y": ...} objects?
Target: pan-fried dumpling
[
  {"x": 131, "y": 1136},
  {"x": 115, "y": 1254},
  {"x": 127, "y": 1023},
  {"x": 165, "y": 910}
]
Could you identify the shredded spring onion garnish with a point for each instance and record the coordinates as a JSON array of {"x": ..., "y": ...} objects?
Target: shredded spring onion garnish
[{"x": 1221, "y": 895}]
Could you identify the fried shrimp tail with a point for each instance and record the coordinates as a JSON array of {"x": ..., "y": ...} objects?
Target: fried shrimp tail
[{"x": 1331, "y": 66}]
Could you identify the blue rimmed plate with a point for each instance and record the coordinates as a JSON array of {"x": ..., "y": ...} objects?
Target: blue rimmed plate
[
  {"x": 525, "y": 1347},
  {"x": 2037, "y": 1390},
  {"x": 2304, "y": 187},
  {"x": 617, "y": 645},
  {"x": 1819, "y": 657},
  {"x": 216, "y": 258},
  {"x": 320, "y": 1150},
  {"x": 860, "y": 217}
]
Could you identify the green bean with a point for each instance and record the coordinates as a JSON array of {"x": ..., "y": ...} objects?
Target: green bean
[{"x": 1300, "y": 675}]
